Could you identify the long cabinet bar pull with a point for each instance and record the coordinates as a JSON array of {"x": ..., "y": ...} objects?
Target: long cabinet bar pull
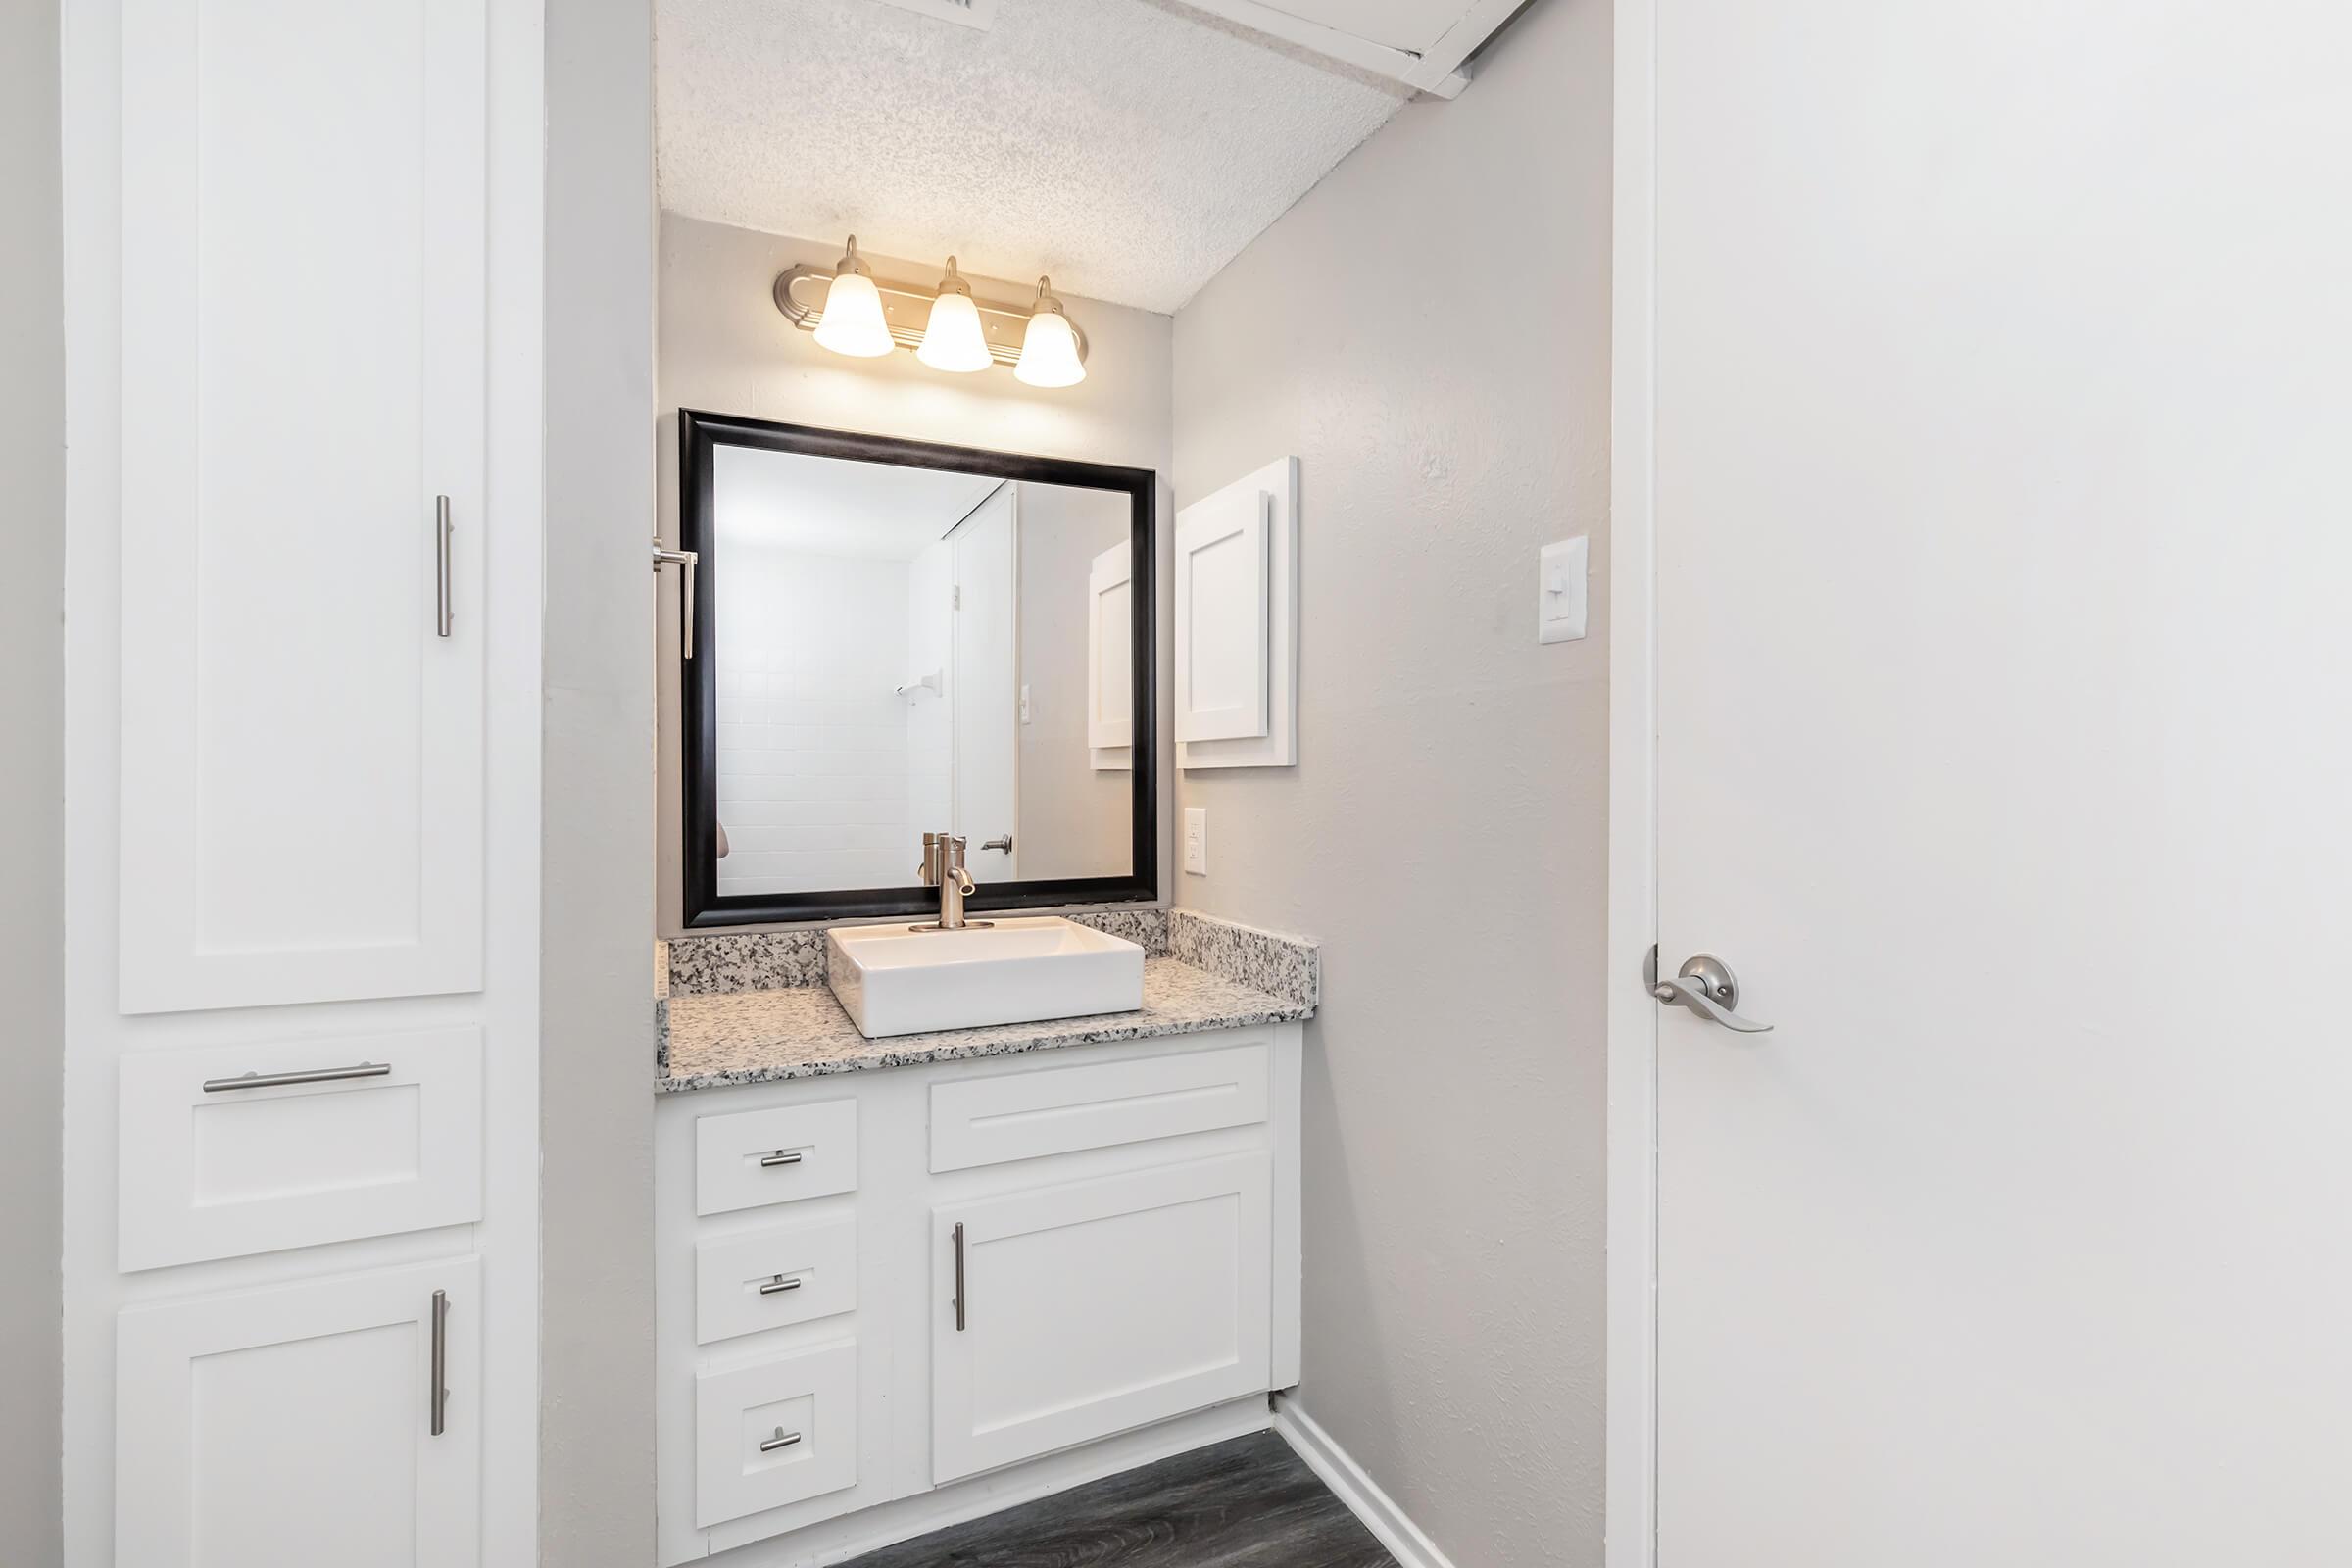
[
  {"x": 315, "y": 1075},
  {"x": 443, "y": 610},
  {"x": 779, "y": 1283},
  {"x": 440, "y": 1362},
  {"x": 959, "y": 1276},
  {"x": 783, "y": 1156},
  {"x": 685, "y": 560},
  {"x": 782, "y": 1440}
]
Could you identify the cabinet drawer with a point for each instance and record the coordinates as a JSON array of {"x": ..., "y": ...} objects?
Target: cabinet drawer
[
  {"x": 987, "y": 1121},
  {"x": 794, "y": 1274},
  {"x": 775, "y": 1432},
  {"x": 774, "y": 1156},
  {"x": 358, "y": 1134}
]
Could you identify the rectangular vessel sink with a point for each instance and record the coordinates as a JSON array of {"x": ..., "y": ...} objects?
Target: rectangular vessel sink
[{"x": 899, "y": 980}]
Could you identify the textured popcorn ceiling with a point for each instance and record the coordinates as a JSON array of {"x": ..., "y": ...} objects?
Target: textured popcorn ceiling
[{"x": 1127, "y": 147}]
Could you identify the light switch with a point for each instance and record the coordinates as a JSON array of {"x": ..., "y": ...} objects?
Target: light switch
[
  {"x": 1560, "y": 591},
  {"x": 1024, "y": 704},
  {"x": 1196, "y": 840}
]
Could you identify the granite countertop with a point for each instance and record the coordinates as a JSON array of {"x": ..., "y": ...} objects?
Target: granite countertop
[{"x": 718, "y": 1024}]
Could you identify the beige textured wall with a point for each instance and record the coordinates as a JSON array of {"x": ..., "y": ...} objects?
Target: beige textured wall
[
  {"x": 1073, "y": 819},
  {"x": 596, "y": 1420},
  {"x": 1428, "y": 330},
  {"x": 31, "y": 784},
  {"x": 725, "y": 350}
]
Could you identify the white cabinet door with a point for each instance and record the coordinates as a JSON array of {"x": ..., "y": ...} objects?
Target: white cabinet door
[
  {"x": 1073, "y": 1312},
  {"x": 1111, "y": 658},
  {"x": 293, "y": 1427},
  {"x": 1222, "y": 665},
  {"x": 302, "y": 372}
]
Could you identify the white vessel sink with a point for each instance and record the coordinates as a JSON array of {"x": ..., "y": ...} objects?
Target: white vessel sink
[{"x": 899, "y": 980}]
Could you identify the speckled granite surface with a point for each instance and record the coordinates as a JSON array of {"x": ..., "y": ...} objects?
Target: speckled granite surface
[{"x": 1198, "y": 974}]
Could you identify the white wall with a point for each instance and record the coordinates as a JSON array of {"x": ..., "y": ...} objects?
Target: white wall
[
  {"x": 31, "y": 787},
  {"x": 813, "y": 749},
  {"x": 1074, "y": 820},
  {"x": 596, "y": 1460},
  {"x": 724, "y": 349},
  {"x": 1443, "y": 834}
]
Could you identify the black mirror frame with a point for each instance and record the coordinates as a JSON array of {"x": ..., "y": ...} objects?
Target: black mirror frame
[{"x": 699, "y": 436}]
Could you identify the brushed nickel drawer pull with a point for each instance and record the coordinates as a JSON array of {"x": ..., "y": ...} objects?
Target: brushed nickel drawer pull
[
  {"x": 780, "y": 1283},
  {"x": 278, "y": 1080},
  {"x": 782, "y": 1440},
  {"x": 440, "y": 1362},
  {"x": 781, "y": 1158}
]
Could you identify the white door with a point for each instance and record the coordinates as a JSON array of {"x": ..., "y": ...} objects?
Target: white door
[
  {"x": 2003, "y": 515},
  {"x": 987, "y": 603},
  {"x": 303, "y": 369},
  {"x": 1073, "y": 1312},
  {"x": 296, "y": 1426}
]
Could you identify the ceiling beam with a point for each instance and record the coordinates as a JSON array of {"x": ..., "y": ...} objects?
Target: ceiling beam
[{"x": 1397, "y": 64}]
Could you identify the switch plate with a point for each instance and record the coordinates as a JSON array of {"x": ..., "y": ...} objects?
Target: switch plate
[
  {"x": 1024, "y": 703},
  {"x": 1560, "y": 591},
  {"x": 1196, "y": 840}
]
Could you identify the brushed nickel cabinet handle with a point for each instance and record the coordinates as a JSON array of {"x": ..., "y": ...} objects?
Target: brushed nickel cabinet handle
[
  {"x": 778, "y": 1284},
  {"x": 959, "y": 1276},
  {"x": 783, "y": 1156},
  {"x": 278, "y": 1080},
  {"x": 440, "y": 1362},
  {"x": 444, "y": 612},
  {"x": 782, "y": 1440}
]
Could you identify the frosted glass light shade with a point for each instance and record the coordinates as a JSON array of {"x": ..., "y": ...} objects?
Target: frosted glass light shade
[
  {"x": 852, "y": 322},
  {"x": 1050, "y": 352},
  {"x": 954, "y": 341}
]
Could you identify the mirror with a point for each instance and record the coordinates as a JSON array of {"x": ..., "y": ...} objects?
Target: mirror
[{"x": 893, "y": 637}]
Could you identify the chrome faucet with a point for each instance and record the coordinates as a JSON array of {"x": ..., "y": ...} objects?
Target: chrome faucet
[{"x": 943, "y": 868}]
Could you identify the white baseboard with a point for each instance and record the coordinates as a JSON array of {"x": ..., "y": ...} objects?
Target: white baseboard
[{"x": 1351, "y": 1486}]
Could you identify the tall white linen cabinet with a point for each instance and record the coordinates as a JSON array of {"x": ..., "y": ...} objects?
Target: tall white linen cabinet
[{"x": 303, "y": 663}]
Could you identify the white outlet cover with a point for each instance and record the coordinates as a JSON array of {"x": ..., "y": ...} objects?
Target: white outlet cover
[
  {"x": 1560, "y": 591},
  {"x": 1196, "y": 840}
]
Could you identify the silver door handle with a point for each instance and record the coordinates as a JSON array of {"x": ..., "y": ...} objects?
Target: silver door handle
[
  {"x": 958, "y": 1276},
  {"x": 444, "y": 612},
  {"x": 1705, "y": 986},
  {"x": 440, "y": 1390},
  {"x": 1004, "y": 844},
  {"x": 685, "y": 560}
]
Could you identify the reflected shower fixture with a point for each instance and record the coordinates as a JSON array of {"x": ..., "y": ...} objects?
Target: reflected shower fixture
[{"x": 852, "y": 311}]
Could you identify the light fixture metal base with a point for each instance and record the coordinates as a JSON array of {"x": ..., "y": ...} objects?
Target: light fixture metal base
[{"x": 800, "y": 294}]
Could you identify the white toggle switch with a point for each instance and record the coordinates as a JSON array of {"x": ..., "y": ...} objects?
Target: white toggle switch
[
  {"x": 1560, "y": 592},
  {"x": 1196, "y": 840}
]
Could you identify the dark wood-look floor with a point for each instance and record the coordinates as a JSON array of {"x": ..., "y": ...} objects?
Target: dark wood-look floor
[{"x": 1247, "y": 1503}]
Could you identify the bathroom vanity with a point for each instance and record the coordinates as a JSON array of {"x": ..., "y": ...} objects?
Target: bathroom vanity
[{"x": 906, "y": 1281}]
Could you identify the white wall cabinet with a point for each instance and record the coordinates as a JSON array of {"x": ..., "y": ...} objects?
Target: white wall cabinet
[
  {"x": 304, "y": 577},
  {"x": 303, "y": 353},
  {"x": 294, "y": 1426},
  {"x": 1119, "y": 1225},
  {"x": 1080, "y": 1310},
  {"x": 1237, "y": 623}
]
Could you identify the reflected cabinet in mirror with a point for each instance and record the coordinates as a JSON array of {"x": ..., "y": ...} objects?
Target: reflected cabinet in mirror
[{"x": 893, "y": 638}]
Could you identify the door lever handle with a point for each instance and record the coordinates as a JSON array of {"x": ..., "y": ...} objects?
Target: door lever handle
[{"x": 1705, "y": 986}]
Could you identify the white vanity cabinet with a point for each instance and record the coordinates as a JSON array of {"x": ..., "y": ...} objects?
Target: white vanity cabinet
[{"x": 1046, "y": 1267}]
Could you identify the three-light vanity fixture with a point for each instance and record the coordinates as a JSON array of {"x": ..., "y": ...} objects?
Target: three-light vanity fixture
[{"x": 851, "y": 312}]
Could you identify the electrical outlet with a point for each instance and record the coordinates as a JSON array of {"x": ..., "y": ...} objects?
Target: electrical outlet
[{"x": 1196, "y": 840}]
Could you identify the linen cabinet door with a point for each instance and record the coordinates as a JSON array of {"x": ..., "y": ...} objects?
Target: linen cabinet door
[
  {"x": 296, "y": 1426},
  {"x": 304, "y": 292},
  {"x": 1073, "y": 1312}
]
